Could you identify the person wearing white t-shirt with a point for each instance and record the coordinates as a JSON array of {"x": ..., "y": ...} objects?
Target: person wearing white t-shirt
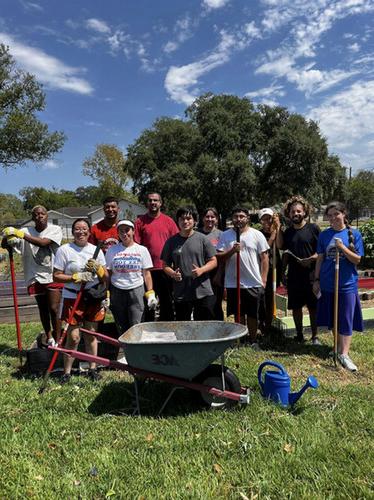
[
  {"x": 74, "y": 266},
  {"x": 38, "y": 246},
  {"x": 129, "y": 267},
  {"x": 254, "y": 266}
]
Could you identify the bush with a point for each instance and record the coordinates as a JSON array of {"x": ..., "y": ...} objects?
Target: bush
[{"x": 367, "y": 231}]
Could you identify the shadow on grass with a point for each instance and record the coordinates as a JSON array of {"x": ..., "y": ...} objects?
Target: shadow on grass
[
  {"x": 290, "y": 346},
  {"x": 118, "y": 398},
  {"x": 10, "y": 351}
]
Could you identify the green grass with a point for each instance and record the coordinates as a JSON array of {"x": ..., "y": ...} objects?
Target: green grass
[{"x": 80, "y": 440}]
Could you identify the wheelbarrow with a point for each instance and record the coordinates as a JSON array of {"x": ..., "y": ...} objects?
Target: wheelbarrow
[{"x": 179, "y": 353}]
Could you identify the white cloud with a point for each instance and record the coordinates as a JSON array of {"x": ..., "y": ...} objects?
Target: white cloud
[
  {"x": 170, "y": 47},
  {"x": 266, "y": 92},
  {"x": 31, "y": 6},
  {"x": 47, "y": 69},
  {"x": 355, "y": 47},
  {"x": 183, "y": 30},
  {"x": 181, "y": 82},
  {"x": 346, "y": 119},
  {"x": 51, "y": 165},
  {"x": 215, "y": 4},
  {"x": 97, "y": 25}
]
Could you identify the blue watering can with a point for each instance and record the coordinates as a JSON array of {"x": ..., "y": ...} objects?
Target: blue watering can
[{"x": 277, "y": 384}]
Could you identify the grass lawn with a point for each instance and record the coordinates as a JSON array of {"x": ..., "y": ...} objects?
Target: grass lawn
[{"x": 80, "y": 440}]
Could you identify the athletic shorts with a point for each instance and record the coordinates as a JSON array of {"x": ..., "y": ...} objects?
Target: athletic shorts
[
  {"x": 300, "y": 297},
  {"x": 250, "y": 299},
  {"x": 86, "y": 311},
  {"x": 37, "y": 288},
  {"x": 349, "y": 312}
]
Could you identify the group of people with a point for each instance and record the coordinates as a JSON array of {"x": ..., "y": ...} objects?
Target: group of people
[{"x": 185, "y": 270}]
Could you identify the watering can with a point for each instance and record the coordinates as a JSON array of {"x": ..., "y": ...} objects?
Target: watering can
[{"x": 277, "y": 384}]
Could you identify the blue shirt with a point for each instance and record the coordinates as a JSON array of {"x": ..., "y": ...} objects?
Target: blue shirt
[{"x": 348, "y": 275}]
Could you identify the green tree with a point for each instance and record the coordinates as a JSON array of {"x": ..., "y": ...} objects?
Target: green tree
[
  {"x": 360, "y": 192},
  {"x": 23, "y": 136},
  {"x": 11, "y": 208},
  {"x": 51, "y": 199},
  {"x": 107, "y": 166}
]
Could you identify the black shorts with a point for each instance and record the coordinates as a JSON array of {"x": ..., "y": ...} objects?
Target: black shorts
[
  {"x": 300, "y": 297},
  {"x": 250, "y": 299}
]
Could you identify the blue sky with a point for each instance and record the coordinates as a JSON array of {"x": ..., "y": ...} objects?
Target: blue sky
[{"x": 109, "y": 69}]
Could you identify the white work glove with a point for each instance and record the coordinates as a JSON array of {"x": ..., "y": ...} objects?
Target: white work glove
[
  {"x": 84, "y": 277},
  {"x": 151, "y": 299},
  {"x": 106, "y": 302}
]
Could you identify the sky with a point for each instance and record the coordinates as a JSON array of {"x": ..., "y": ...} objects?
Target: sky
[{"x": 109, "y": 69}]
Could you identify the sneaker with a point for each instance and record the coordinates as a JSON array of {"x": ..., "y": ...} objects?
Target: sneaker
[
  {"x": 65, "y": 379},
  {"x": 122, "y": 360},
  {"x": 94, "y": 375},
  {"x": 255, "y": 346},
  {"x": 315, "y": 341},
  {"x": 299, "y": 337},
  {"x": 346, "y": 362}
]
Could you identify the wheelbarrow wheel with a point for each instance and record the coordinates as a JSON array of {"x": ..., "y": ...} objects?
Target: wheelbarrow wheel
[{"x": 212, "y": 376}]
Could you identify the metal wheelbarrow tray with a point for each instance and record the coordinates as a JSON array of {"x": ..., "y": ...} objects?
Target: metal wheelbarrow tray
[
  {"x": 179, "y": 348},
  {"x": 179, "y": 353}
]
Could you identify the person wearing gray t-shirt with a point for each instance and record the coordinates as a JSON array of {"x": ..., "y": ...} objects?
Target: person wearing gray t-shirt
[{"x": 188, "y": 257}]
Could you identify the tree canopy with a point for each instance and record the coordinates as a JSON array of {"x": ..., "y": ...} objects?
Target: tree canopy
[
  {"x": 107, "y": 166},
  {"x": 227, "y": 152},
  {"x": 360, "y": 192},
  {"x": 23, "y": 136}
]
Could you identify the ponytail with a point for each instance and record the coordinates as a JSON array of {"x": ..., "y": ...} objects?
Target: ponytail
[{"x": 351, "y": 238}]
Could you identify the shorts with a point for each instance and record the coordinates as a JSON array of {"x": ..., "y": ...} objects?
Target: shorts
[
  {"x": 37, "y": 288},
  {"x": 349, "y": 312},
  {"x": 300, "y": 297},
  {"x": 92, "y": 311},
  {"x": 250, "y": 299}
]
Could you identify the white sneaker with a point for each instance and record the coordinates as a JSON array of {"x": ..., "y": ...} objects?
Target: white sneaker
[
  {"x": 315, "y": 341},
  {"x": 255, "y": 346},
  {"x": 346, "y": 362}
]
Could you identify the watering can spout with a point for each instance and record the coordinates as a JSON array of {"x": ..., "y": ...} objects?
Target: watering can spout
[{"x": 295, "y": 396}]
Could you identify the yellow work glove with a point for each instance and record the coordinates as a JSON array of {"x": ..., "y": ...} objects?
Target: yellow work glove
[
  {"x": 95, "y": 267},
  {"x": 12, "y": 231},
  {"x": 151, "y": 299},
  {"x": 84, "y": 277}
]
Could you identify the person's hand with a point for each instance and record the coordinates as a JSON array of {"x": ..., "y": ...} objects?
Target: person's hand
[
  {"x": 236, "y": 247},
  {"x": 177, "y": 275},
  {"x": 339, "y": 243},
  {"x": 275, "y": 225},
  {"x": 12, "y": 231},
  {"x": 93, "y": 266},
  {"x": 13, "y": 241},
  {"x": 84, "y": 277},
  {"x": 196, "y": 271},
  {"x": 151, "y": 299},
  {"x": 316, "y": 288},
  {"x": 306, "y": 262}
]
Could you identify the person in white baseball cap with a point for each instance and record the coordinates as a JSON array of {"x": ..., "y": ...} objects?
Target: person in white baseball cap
[{"x": 129, "y": 267}]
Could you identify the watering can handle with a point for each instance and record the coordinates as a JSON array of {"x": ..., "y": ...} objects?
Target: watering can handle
[{"x": 269, "y": 363}]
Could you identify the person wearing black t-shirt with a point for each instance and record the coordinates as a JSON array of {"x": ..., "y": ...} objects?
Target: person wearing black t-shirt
[{"x": 300, "y": 244}]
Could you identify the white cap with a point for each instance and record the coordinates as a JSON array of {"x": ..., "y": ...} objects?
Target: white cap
[
  {"x": 125, "y": 223},
  {"x": 265, "y": 211}
]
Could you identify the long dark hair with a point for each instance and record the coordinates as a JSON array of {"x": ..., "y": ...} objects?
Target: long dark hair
[
  {"x": 340, "y": 207},
  {"x": 210, "y": 209}
]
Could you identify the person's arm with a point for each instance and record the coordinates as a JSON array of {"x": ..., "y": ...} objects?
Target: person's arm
[
  {"x": 353, "y": 257},
  {"x": 317, "y": 271},
  {"x": 285, "y": 258},
  {"x": 264, "y": 266},
  {"x": 174, "y": 274},
  {"x": 206, "y": 268},
  {"x": 224, "y": 255},
  {"x": 280, "y": 240},
  {"x": 148, "y": 283}
]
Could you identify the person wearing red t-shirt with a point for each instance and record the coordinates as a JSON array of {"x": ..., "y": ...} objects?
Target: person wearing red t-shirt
[
  {"x": 105, "y": 232},
  {"x": 152, "y": 230}
]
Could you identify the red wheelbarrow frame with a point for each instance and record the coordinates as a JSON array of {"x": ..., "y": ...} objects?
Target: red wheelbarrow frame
[{"x": 242, "y": 397}]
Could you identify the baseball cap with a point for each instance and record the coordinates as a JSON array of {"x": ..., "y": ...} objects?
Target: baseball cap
[
  {"x": 125, "y": 223},
  {"x": 265, "y": 211}
]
